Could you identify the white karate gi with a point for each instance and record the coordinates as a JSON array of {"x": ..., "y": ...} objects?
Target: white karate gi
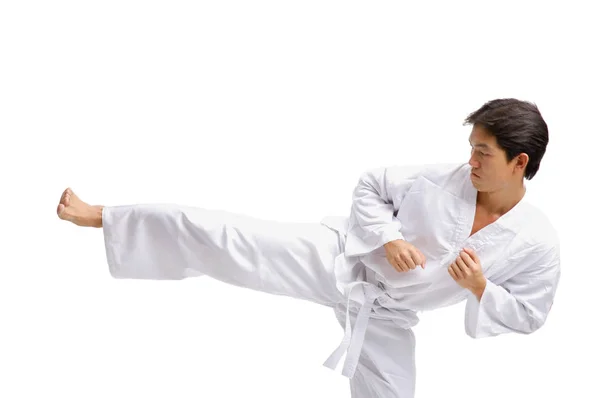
[{"x": 341, "y": 263}]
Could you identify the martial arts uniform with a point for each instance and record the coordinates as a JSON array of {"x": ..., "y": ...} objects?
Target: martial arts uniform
[{"x": 341, "y": 263}]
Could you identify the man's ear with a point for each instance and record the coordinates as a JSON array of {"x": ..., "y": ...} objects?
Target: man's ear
[{"x": 521, "y": 162}]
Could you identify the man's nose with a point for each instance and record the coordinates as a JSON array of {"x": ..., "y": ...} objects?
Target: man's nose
[{"x": 473, "y": 163}]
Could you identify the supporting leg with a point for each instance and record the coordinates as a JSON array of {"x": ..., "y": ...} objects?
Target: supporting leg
[{"x": 386, "y": 366}]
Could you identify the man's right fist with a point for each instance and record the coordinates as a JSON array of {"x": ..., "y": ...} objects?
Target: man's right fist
[{"x": 403, "y": 256}]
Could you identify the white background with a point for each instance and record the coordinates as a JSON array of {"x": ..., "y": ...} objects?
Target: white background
[{"x": 271, "y": 109}]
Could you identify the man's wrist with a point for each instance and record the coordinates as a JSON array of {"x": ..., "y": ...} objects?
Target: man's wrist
[{"x": 479, "y": 289}]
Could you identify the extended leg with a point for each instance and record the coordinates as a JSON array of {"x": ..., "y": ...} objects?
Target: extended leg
[{"x": 168, "y": 241}]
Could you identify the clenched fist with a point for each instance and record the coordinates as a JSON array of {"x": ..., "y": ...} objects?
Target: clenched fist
[
  {"x": 466, "y": 271},
  {"x": 403, "y": 256}
]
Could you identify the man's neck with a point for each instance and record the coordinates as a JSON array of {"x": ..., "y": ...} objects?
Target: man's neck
[{"x": 500, "y": 202}]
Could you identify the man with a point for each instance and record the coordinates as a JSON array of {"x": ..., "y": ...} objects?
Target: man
[{"x": 416, "y": 239}]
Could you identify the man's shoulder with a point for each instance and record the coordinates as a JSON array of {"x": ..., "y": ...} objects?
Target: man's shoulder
[
  {"x": 538, "y": 229},
  {"x": 438, "y": 173}
]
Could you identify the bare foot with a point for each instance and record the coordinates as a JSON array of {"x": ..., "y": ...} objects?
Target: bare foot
[{"x": 73, "y": 209}]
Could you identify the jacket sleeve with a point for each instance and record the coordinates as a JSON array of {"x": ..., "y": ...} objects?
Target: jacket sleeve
[
  {"x": 522, "y": 303},
  {"x": 375, "y": 203}
]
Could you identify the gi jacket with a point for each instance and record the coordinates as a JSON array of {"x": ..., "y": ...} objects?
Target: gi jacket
[{"x": 433, "y": 208}]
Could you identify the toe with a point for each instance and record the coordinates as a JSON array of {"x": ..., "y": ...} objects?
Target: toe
[
  {"x": 60, "y": 210},
  {"x": 64, "y": 194}
]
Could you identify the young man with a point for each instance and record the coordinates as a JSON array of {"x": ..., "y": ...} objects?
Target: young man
[{"x": 416, "y": 239}]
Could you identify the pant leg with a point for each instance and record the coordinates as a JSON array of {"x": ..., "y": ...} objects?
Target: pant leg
[
  {"x": 386, "y": 367},
  {"x": 168, "y": 241}
]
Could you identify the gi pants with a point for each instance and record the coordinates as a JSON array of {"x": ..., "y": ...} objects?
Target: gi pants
[{"x": 167, "y": 241}]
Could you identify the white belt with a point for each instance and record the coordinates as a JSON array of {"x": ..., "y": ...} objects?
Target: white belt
[
  {"x": 353, "y": 339},
  {"x": 366, "y": 293}
]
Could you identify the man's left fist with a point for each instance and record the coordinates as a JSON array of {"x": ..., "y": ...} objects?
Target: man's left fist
[{"x": 466, "y": 271}]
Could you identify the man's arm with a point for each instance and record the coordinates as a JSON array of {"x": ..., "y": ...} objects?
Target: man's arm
[
  {"x": 375, "y": 202},
  {"x": 519, "y": 305}
]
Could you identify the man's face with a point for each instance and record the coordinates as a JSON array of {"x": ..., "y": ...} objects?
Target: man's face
[{"x": 489, "y": 169}]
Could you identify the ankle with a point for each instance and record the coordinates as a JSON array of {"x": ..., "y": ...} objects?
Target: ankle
[{"x": 98, "y": 216}]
